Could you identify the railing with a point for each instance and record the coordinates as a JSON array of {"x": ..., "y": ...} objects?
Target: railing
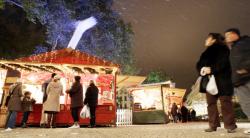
[{"x": 124, "y": 117}]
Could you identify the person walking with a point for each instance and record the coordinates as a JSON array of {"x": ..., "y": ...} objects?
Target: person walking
[
  {"x": 193, "y": 115},
  {"x": 14, "y": 104},
  {"x": 52, "y": 104},
  {"x": 91, "y": 100},
  {"x": 184, "y": 114},
  {"x": 44, "y": 119},
  {"x": 215, "y": 61},
  {"x": 27, "y": 107},
  {"x": 76, "y": 95},
  {"x": 240, "y": 61},
  {"x": 179, "y": 113},
  {"x": 174, "y": 112}
]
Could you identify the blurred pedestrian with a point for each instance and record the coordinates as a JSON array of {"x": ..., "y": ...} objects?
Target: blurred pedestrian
[
  {"x": 215, "y": 61},
  {"x": 27, "y": 107},
  {"x": 14, "y": 104},
  {"x": 76, "y": 95},
  {"x": 44, "y": 119},
  {"x": 91, "y": 100},
  {"x": 184, "y": 114},
  {"x": 193, "y": 115},
  {"x": 52, "y": 104},
  {"x": 240, "y": 61},
  {"x": 174, "y": 112}
]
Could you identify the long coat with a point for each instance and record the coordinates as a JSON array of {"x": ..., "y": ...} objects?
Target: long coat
[
  {"x": 15, "y": 103},
  {"x": 54, "y": 90},
  {"x": 217, "y": 57},
  {"x": 76, "y": 95},
  {"x": 91, "y": 96}
]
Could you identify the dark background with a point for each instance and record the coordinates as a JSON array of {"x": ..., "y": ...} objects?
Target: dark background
[{"x": 170, "y": 34}]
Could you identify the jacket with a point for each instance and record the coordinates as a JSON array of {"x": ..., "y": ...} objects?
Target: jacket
[
  {"x": 240, "y": 59},
  {"x": 15, "y": 103},
  {"x": 91, "y": 96},
  {"x": 217, "y": 57},
  {"x": 27, "y": 104},
  {"x": 76, "y": 95},
  {"x": 54, "y": 90}
]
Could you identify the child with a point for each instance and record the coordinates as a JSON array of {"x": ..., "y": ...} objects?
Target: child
[{"x": 27, "y": 107}]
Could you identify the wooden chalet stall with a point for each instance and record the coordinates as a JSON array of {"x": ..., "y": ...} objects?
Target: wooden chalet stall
[
  {"x": 152, "y": 102},
  {"x": 67, "y": 63}
]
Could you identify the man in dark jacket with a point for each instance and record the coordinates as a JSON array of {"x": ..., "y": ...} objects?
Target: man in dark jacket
[
  {"x": 76, "y": 95},
  {"x": 91, "y": 99},
  {"x": 240, "y": 62}
]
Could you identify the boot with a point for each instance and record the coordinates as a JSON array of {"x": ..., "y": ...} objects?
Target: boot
[
  {"x": 24, "y": 125},
  {"x": 210, "y": 129}
]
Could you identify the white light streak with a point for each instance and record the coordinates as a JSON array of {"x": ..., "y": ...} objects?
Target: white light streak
[{"x": 82, "y": 26}]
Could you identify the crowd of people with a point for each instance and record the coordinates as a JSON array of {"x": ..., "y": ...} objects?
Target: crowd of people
[
  {"x": 182, "y": 114},
  {"x": 20, "y": 101}
]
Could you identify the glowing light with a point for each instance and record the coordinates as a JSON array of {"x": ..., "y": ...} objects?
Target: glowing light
[
  {"x": 32, "y": 78},
  {"x": 148, "y": 98},
  {"x": 36, "y": 91},
  {"x": 80, "y": 29}
]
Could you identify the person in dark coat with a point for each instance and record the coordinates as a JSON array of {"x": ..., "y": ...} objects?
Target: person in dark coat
[
  {"x": 184, "y": 114},
  {"x": 91, "y": 100},
  {"x": 179, "y": 114},
  {"x": 14, "y": 105},
  {"x": 27, "y": 107},
  {"x": 76, "y": 95},
  {"x": 215, "y": 60},
  {"x": 240, "y": 61},
  {"x": 193, "y": 114},
  {"x": 174, "y": 112}
]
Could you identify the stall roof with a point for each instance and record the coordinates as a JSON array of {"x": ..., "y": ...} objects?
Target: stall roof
[
  {"x": 67, "y": 56},
  {"x": 63, "y": 60},
  {"x": 129, "y": 81},
  {"x": 170, "y": 83}
]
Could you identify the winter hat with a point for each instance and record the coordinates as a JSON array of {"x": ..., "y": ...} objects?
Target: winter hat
[{"x": 57, "y": 77}]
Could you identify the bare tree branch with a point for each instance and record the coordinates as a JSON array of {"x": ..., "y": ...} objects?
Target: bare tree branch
[{"x": 15, "y": 3}]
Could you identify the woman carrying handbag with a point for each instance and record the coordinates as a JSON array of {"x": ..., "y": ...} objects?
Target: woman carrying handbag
[
  {"x": 215, "y": 61},
  {"x": 14, "y": 105}
]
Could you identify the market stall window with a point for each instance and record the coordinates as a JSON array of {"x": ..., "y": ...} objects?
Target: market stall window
[
  {"x": 148, "y": 99},
  {"x": 33, "y": 82}
]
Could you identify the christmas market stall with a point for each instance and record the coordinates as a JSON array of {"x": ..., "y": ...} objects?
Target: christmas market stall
[
  {"x": 36, "y": 69},
  {"x": 152, "y": 102}
]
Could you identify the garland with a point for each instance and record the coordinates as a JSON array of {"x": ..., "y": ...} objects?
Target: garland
[{"x": 76, "y": 69}]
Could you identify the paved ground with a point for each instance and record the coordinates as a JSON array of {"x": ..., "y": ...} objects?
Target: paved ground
[{"x": 189, "y": 130}]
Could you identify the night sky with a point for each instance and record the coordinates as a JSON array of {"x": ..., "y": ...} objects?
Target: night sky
[{"x": 170, "y": 34}]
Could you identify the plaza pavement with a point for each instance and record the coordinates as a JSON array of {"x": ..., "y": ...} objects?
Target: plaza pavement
[{"x": 179, "y": 130}]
